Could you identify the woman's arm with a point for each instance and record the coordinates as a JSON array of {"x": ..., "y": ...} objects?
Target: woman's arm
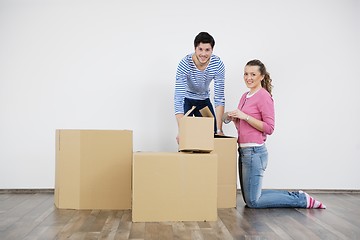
[{"x": 255, "y": 123}]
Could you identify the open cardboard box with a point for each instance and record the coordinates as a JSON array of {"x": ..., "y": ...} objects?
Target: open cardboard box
[{"x": 196, "y": 134}]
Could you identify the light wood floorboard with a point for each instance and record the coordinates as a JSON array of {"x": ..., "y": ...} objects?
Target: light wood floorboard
[{"x": 33, "y": 216}]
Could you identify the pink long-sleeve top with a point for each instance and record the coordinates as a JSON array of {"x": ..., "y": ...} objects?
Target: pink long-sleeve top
[{"x": 259, "y": 106}]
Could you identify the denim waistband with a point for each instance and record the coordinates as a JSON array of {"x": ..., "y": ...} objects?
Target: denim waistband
[
  {"x": 244, "y": 145},
  {"x": 254, "y": 148}
]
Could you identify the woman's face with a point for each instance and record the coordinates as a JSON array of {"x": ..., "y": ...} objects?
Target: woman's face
[{"x": 253, "y": 77}]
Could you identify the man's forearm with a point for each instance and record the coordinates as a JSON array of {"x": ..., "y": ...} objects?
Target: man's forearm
[
  {"x": 178, "y": 117},
  {"x": 219, "y": 111}
]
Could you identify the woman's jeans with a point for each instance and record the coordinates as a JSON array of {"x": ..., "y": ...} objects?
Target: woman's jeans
[
  {"x": 252, "y": 165},
  {"x": 199, "y": 104}
]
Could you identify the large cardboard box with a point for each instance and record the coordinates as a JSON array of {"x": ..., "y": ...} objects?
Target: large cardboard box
[
  {"x": 226, "y": 149},
  {"x": 196, "y": 134},
  {"x": 93, "y": 169},
  {"x": 174, "y": 187}
]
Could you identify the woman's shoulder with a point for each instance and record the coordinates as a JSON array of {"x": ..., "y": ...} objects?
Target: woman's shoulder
[{"x": 264, "y": 93}]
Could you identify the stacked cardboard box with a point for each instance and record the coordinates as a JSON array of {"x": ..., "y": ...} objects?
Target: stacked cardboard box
[
  {"x": 226, "y": 150},
  {"x": 174, "y": 187},
  {"x": 93, "y": 169},
  {"x": 178, "y": 186},
  {"x": 196, "y": 135},
  {"x": 189, "y": 185}
]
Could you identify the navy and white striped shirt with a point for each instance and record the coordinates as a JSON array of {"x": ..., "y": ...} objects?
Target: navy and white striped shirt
[{"x": 194, "y": 84}]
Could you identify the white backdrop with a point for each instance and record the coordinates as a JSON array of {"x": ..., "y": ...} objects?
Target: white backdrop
[{"x": 111, "y": 65}]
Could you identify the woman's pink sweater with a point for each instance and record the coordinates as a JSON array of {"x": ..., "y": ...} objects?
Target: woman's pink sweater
[{"x": 259, "y": 106}]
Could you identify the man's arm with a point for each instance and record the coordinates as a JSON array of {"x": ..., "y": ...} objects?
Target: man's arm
[
  {"x": 219, "y": 111},
  {"x": 178, "y": 117},
  {"x": 219, "y": 96}
]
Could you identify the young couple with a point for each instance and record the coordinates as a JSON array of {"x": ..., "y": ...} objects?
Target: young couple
[{"x": 254, "y": 119}]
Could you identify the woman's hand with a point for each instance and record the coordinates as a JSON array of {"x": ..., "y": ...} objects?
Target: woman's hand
[
  {"x": 226, "y": 118},
  {"x": 237, "y": 114}
]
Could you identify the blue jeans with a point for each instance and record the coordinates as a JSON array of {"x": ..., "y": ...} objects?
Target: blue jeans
[
  {"x": 252, "y": 165},
  {"x": 199, "y": 104}
]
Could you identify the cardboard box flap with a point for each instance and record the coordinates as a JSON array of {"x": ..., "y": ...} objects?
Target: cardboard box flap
[
  {"x": 188, "y": 112},
  {"x": 205, "y": 112}
]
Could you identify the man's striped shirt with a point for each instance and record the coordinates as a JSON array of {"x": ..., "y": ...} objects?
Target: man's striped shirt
[{"x": 194, "y": 84}]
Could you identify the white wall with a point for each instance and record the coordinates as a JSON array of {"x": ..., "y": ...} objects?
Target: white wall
[{"x": 111, "y": 65}]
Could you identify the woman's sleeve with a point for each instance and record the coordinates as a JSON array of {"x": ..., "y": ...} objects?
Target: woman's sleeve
[{"x": 267, "y": 114}]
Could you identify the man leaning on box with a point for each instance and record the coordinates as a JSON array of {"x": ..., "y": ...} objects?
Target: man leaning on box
[{"x": 193, "y": 77}]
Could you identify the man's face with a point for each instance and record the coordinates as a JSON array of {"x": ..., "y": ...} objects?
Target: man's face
[{"x": 203, "y": 52}]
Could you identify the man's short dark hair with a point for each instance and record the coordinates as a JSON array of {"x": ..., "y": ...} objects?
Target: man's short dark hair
[{"x": 204, "y": 37}]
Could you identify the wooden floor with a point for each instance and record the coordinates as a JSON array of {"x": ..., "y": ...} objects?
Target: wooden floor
[{"x": 33, "y": 216}]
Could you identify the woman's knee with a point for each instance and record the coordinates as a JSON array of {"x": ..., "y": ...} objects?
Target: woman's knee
[{"x": 251, "y": 204}]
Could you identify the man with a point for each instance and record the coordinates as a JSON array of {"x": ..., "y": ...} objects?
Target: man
[{"x": 193, "y": 77}]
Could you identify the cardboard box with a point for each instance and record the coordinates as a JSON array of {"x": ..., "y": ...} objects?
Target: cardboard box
[
  {"x": 174, "y": 187},
  {"x": 93, "y": 169},
  {"x": 196, "y": 134},
  {"x": 226, "y": 149}
]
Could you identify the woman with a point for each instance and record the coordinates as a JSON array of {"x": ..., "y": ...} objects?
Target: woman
[{"x": 254, "y": 120}]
